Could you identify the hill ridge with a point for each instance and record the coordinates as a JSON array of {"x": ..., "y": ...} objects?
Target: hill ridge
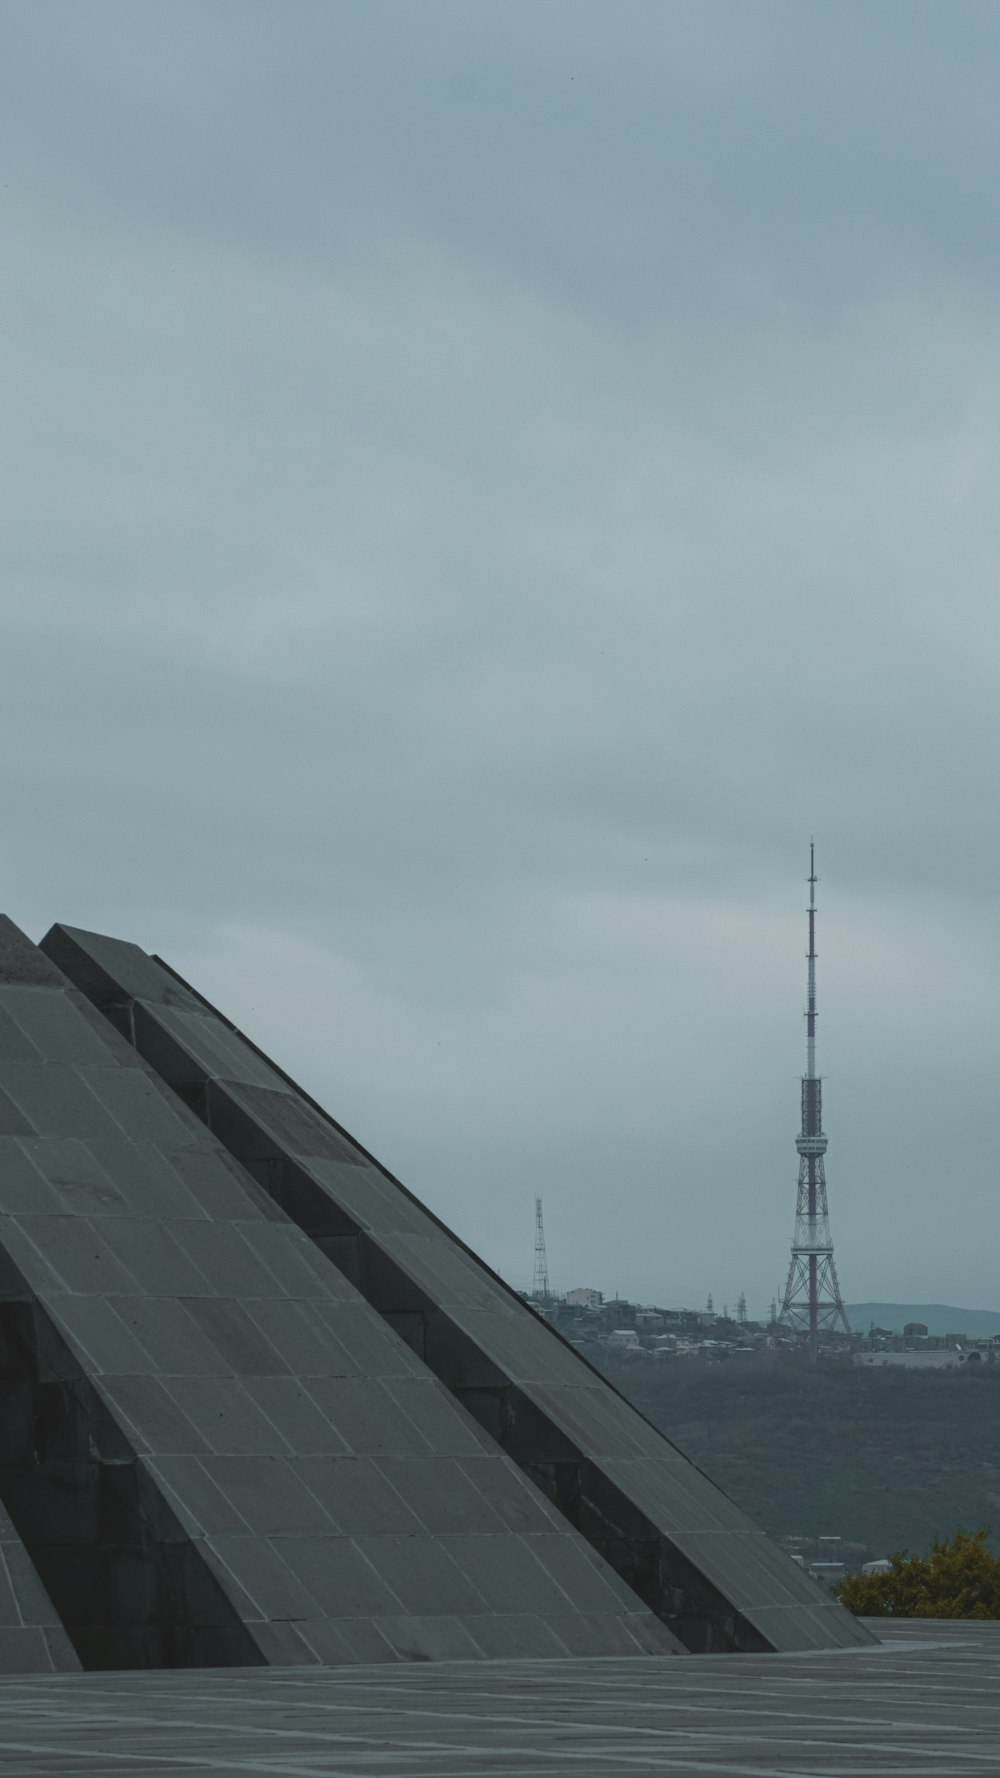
[{"x": 939, "y": 1318}]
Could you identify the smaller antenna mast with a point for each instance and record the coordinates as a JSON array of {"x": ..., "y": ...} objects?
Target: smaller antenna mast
[{"x": 540, "y": 1287}]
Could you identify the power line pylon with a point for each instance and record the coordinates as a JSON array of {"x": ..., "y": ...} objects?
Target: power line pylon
[
  {"x": 812, "y": 1302},
  {"x": 540, "y": 1283}
]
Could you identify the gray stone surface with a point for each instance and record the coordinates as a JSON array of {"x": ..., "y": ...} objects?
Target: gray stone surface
[
  {"x": 32, "y": 1640},
  {"x": 214, "y": 1451},
  {"x": 924, "y": 1705},
  {"x": 683, "y": 1547}
]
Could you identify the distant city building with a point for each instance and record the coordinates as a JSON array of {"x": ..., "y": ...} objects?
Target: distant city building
[
  {"x": 919, "y": 1358},
  {"x": 620, "y": 1313},
  {"x": 657, "y": 1333}
]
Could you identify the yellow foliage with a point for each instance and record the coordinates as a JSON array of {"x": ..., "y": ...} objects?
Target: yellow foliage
[{"x": 956, "y": 1579}]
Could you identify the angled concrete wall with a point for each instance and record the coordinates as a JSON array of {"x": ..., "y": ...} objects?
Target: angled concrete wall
[
  {"x": 32, "y": 1639},
  {"x": 676, "y": 1539},
  {"x": 216, "y": 1451}
]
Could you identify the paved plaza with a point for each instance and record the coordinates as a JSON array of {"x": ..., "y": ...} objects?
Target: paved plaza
[{"x": 924, "y": 1705}]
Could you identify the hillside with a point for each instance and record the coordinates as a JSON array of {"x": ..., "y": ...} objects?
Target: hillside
[
  {"x": 887, "y": 1457},
  {"x": 939, "y": 1318}
]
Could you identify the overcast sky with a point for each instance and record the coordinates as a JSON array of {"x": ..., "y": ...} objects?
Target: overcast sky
[{"x": 485, "y": 481}]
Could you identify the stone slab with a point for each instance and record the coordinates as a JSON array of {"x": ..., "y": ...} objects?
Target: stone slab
[
  {"x": 32, "y": 1640},
  {"x": 926, "y": 1704}
]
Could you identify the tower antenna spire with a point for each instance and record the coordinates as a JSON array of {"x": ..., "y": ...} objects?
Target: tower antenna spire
[{"x": 812, "y": 1303}]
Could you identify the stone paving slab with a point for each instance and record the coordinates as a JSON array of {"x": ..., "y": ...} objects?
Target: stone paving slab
[{"x": 925, "y": 1704}]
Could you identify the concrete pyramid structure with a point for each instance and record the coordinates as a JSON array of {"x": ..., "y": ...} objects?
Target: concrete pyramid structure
[{"x": 259, "y": 1407}]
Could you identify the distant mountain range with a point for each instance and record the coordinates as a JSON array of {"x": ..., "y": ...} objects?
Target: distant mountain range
[{"x": 939, "y": 1318}]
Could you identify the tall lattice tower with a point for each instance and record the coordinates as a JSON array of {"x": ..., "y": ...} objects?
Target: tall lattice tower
[
  {"x": 540, "y": 1283},
  {"x": 812, "y": 1302}
]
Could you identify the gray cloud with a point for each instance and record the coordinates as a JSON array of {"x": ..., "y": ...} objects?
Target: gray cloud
[{"x": 484, "y": 485}]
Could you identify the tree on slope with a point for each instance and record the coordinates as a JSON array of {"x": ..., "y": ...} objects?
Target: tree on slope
[{"x": 957, "y": 1579}]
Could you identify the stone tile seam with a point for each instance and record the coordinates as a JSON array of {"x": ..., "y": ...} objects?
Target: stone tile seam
[{"x": 12, "y": 1589}]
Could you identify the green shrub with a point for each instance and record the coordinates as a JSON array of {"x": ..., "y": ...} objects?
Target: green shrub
[{"x": 957, "y": 1579}]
